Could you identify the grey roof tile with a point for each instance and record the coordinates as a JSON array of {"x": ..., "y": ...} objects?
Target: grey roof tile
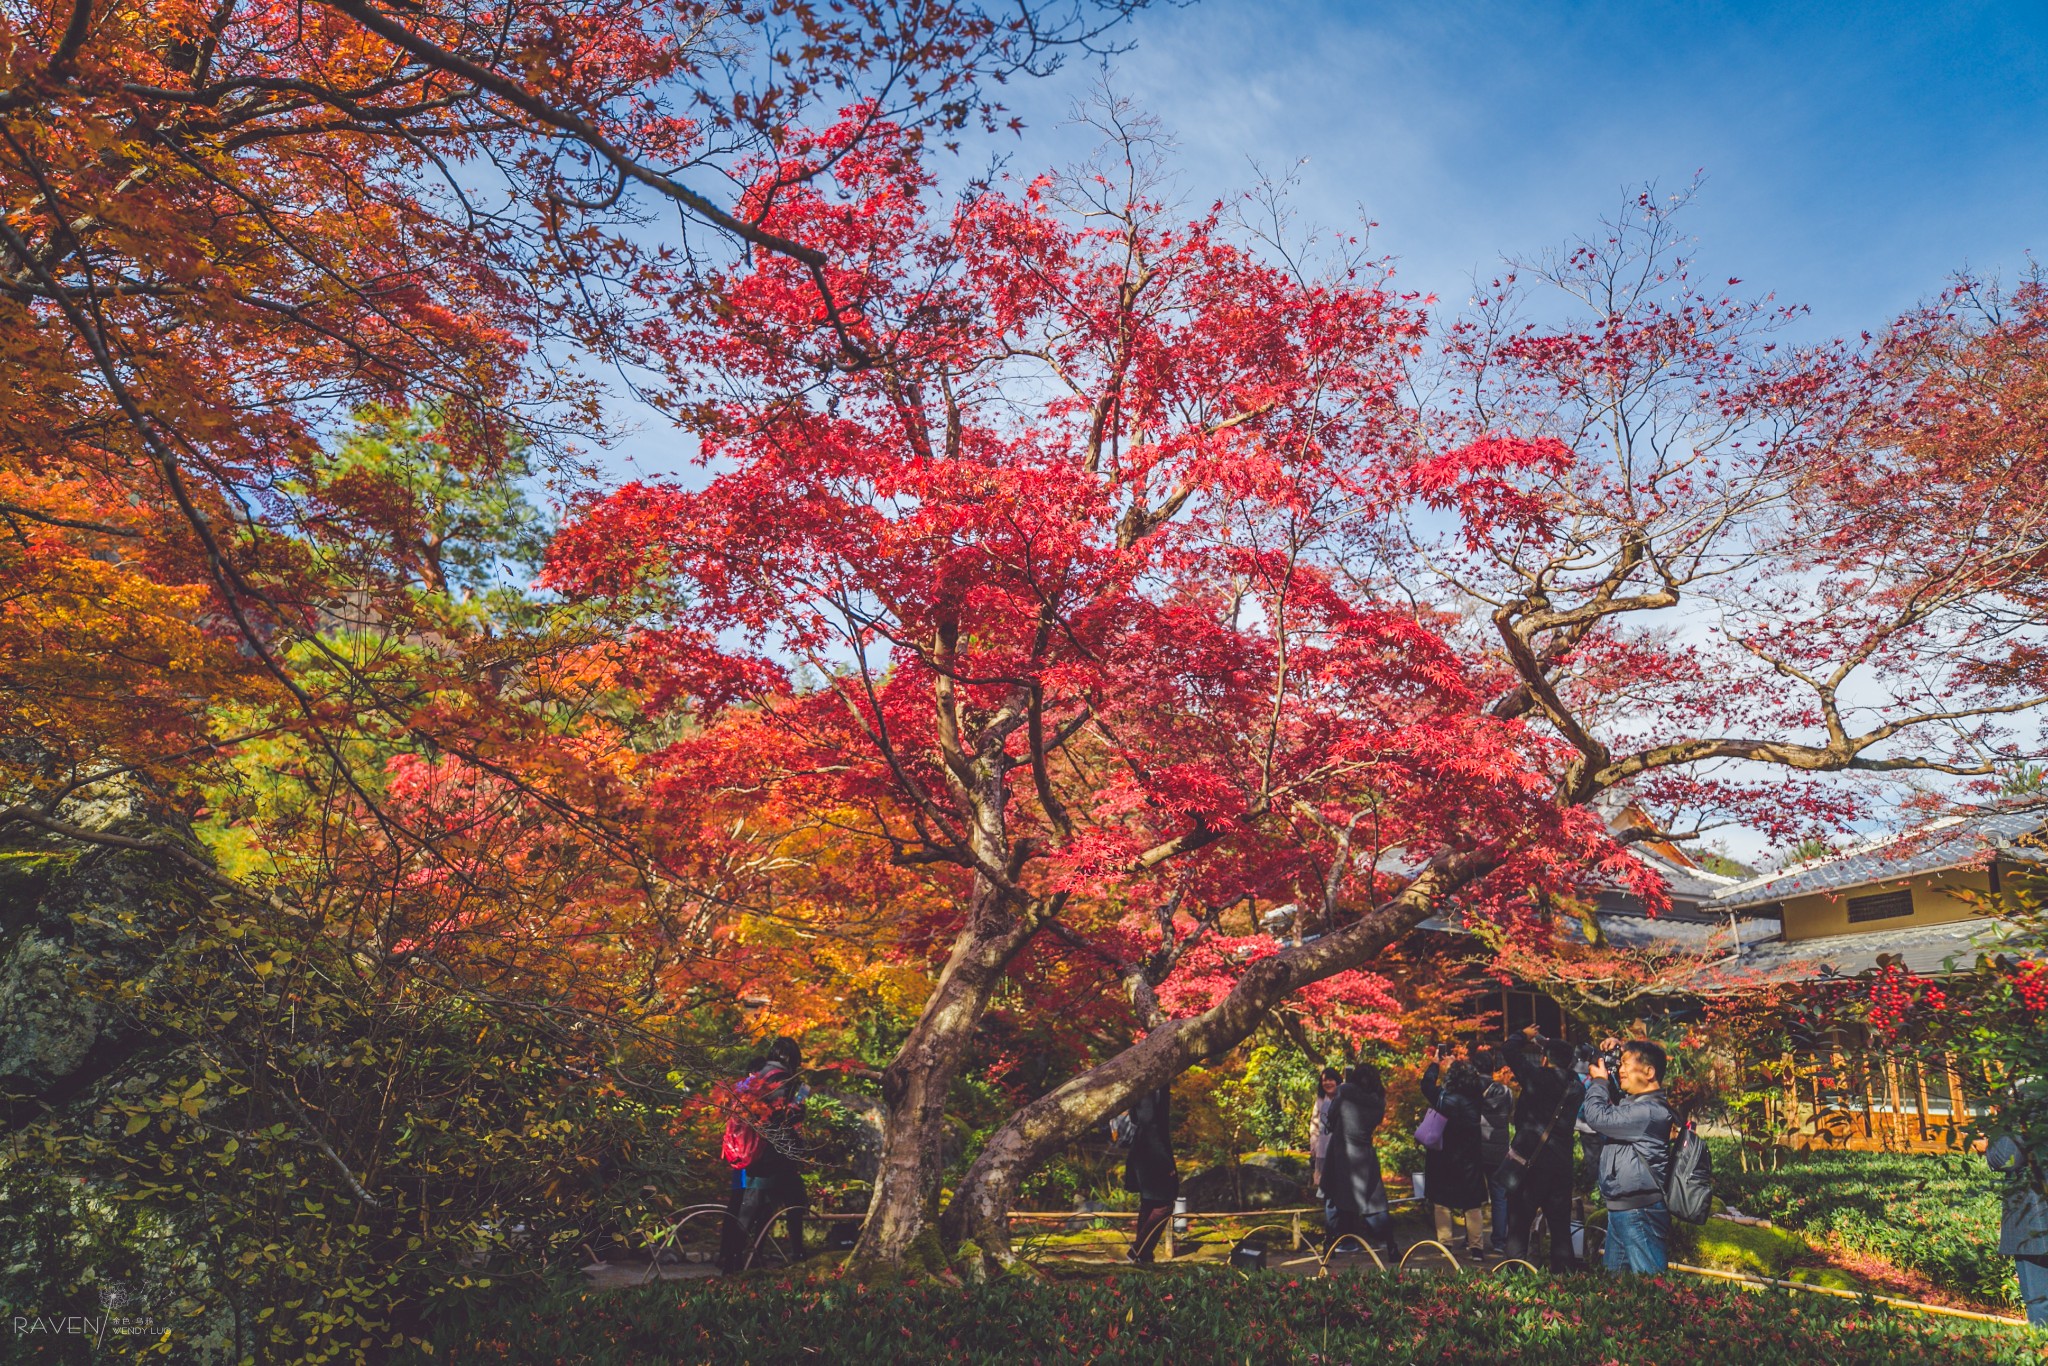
[
  {"x": 1924, "y": 949},
  {"x": 1699, "y": 936},
  {"x": 1955, "y": 842}
]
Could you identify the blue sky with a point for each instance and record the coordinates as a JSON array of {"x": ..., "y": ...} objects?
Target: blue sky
[{"x": 1854, "y": 155}]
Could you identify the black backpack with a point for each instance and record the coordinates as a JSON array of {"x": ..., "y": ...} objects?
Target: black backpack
[{"x": 1689, "y": 1190}]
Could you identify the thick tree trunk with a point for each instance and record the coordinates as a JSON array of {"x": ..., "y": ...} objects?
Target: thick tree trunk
[
  {"x": 915, "y": 1085},
  {"x": 980, "y": 1209}
]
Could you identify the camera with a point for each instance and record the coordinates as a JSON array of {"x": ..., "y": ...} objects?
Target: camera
[{"x": 1612, "y": 1062}]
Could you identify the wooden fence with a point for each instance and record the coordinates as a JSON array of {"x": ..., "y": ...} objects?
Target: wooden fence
[{"x": 1871, "y": 1101}]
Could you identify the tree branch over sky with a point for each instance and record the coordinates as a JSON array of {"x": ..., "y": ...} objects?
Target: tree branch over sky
[{"x": 228, "y": 227}]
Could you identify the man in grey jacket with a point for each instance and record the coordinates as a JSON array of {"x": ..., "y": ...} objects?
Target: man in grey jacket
[
  {"x": 1629, "y": 1113},
  {"x": 2023, "y": 1233}
]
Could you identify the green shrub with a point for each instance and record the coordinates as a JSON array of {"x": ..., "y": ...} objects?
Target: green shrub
[
  {"x": 1400, "y": 1155},
  {"x": 1933, "y": 1213},
  {"x": 1187, "y": 1316}
]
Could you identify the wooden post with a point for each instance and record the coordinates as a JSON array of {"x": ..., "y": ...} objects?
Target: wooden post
[
  {"x": 1869, "y": 1099},
  {"x": 1792, "y": 1122},
  {"x": 1297, "y": 1230},
  {"x": 1920, "y": 1087},
  {"x": 1958, "y": 1113},
  {"x": 1897, "y": 1127}
]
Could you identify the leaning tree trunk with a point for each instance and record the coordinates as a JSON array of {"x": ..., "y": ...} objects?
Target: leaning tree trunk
[
  {"x": 980, "y": 1209},
  {"x": 915, "y": 1085}
]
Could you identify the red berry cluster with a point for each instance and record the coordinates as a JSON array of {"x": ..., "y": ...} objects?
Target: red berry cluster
[
  {"x": 1891, "y": 997},
  {"x": 2030, "y": 982}
]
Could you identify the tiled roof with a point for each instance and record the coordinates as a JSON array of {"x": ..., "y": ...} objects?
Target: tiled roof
[
  {"x": 1954, "y": 842},
  {"x": 1699, "y": 936},
  {"x": 1923, "y": 949}
]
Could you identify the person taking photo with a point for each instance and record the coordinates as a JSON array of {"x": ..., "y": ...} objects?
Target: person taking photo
[
  {"x": 1496, "y": 1130},
  {"x": 1538, "y": 1167},
  {"x": 775, "y": 1174},
  {"x": 1625, "y": 1105}
]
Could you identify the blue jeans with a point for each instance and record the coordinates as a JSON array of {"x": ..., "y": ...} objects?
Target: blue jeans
[
  {"x": 2034, "y": 1288},
  {"x": 1499, "y": 1196},
  {"x": 1636, "y": 1239}
]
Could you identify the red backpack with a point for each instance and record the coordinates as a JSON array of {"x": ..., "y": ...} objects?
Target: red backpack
[{"x": 742, "y": 1140}]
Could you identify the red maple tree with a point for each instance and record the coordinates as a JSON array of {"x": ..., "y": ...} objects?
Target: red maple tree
[{"x": 1018, "y": 570}]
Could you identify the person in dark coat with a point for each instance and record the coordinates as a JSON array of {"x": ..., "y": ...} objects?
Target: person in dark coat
[
  {"x": 1351, "y": 1165},
  {"x": 1496, "y": 1131},
  {"x": 1545, "y": 1114},
  {"x": 1150, "y": 1172},
  {"x": 775, "y": 1178},
  {"x": 1452, "y": 1176}
]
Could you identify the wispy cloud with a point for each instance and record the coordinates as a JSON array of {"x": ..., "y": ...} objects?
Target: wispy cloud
[{"x": 1855, "y": 154}]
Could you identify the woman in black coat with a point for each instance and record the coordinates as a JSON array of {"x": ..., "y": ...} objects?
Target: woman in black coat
[
  {"x": 1150, "y": 1172},
  {"x": 1453, "y": 1176},
  {"x": 1351, "y": 1165}
]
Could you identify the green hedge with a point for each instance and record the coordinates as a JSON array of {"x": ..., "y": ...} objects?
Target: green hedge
[
  {"x": 1188, "y": 1316},
  {"x": 1932, "y": 1213}
]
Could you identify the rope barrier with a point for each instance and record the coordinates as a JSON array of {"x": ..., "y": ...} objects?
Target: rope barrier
[
  {"x": 1919, "y": 1306},
  {"x": 762, "y": 1236},
  {"x": 665, "y": 1241},
  {"x": 1323, "y": 1257},
  {"x": 1027, "y": 1214},
  {"x": 1457, "y": 1267}
]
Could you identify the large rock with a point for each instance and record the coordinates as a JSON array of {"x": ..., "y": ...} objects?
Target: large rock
[
  {"x": 75, "y": 920},
  {"x": 1224, "y": 1188},
  {"x": 1293, "y": 1166}
]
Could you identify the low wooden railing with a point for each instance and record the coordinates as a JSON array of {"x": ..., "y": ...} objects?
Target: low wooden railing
[{"x": 1867, "y": 1100}]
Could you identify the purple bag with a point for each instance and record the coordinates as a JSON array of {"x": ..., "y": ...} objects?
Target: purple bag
[{"x": 1430, "y": 1133}]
